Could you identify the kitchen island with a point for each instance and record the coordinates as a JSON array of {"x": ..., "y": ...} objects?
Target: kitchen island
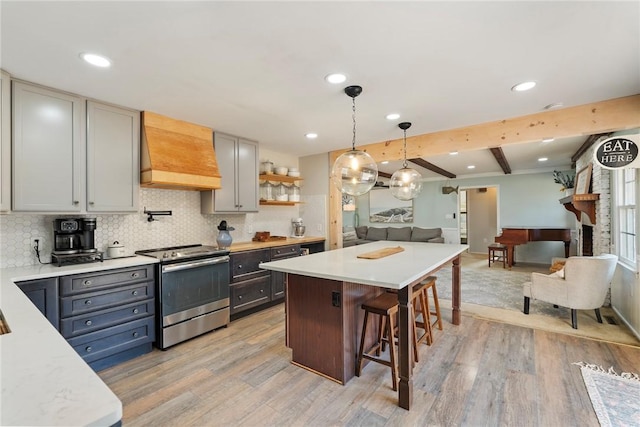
[{"x": 325, "y": 291}]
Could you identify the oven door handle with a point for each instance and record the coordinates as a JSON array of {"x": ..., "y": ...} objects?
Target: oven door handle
[{"x": 194, "y": 264}]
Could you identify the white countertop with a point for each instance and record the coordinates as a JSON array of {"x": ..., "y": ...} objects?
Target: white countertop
[
  {"x": 44, "y": 381},
  {"x": 394, "y": 271}
]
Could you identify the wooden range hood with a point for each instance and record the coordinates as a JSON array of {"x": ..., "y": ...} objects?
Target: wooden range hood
[{"x": 177, "y": 155}]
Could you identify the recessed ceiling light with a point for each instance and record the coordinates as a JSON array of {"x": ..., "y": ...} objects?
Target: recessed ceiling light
[
  {"x": 393, "y": 116},
  {"x": 385, "y": 162},
  {"x": 548, "y": 139},
  {"x": 554, "y": 105},
  {"x": 97, "y": 60},
  {"x": 335, "y": 78},
  {"x": 521, "y": 87},
  {"x": 471, "y": 167},
  {"x": 311, "y": 135},
  {"x": 453, "y": 153},
  {"x": 543, "y": 159}
]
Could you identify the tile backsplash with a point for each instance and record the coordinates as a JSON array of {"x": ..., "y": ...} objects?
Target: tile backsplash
[{"x": 185, "y": 226}]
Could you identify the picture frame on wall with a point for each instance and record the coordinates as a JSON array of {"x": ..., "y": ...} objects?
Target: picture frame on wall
[
  {"x": 383, "y": 207},
  {"x": 583, "y": 180}
]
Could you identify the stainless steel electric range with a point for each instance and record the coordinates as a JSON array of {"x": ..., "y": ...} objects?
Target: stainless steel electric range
[{"x": 192, "y": 291}]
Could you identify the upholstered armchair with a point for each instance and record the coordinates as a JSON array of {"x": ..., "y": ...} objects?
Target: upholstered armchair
[{"x": 581, "y": 285}]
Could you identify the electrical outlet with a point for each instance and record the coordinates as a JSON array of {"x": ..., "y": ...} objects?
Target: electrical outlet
[
  {"x": 319, "y": 227},
  {"x": 37, "y": 241},
  {"x": 249, "y": 229}
]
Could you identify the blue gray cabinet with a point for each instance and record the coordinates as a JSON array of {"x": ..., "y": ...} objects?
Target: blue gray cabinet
[
  {"x": 278, "y": 279},
  {"x": 44, "y": 295},
  {"x": 108, "y": 316}
]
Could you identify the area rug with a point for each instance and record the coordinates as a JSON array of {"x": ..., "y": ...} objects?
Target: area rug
[
  {"x": 494, "y": 293},
  {"x": 615, "y": 398}
]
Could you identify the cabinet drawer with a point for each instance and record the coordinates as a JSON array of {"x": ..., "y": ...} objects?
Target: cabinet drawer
[
  {"x": 100, "y": 344},
  {"x": 250, "y": 293},
  {"x": 104, "y": 318},
  {"x": 245, "y": 265},
  {"x": 285, "y": 252},
  {"x": 93, "y": 301},
  {"x": 70, "y": 285}
]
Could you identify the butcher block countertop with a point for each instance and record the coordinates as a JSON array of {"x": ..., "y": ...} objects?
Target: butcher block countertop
[{"x": 249, "y": 246}]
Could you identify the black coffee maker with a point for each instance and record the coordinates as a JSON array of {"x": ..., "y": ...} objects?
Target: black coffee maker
[{"x": 74, "y": 235}]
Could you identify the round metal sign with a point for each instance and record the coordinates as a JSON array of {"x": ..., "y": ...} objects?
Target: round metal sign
[{"x": 616, "y": 153}]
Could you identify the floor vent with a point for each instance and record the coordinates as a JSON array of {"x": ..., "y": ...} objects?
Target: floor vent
[{"x": 610, "y": 320}]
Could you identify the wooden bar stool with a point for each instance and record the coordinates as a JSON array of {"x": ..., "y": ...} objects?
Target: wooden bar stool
[
  {"x": 430, "y": 283},
  {"x": 386, "y": 307},
  {"x": 417, "y": 300},
  {"x": 498, "y": 252}
]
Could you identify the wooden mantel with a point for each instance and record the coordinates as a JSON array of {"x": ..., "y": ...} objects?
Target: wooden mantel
[{"x": 579, "y": 203}]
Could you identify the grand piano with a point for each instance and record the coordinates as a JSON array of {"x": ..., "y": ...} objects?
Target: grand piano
[{"x": 512, "y": 236}]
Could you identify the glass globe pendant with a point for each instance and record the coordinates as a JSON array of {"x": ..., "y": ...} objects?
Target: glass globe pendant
[
  {"x": 354, "y": 172},
  {"x": 405, "y": 183}
]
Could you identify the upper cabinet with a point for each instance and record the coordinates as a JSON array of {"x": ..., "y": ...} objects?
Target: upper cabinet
[
  {"x": 5, "y": 142},
  {"x": 67, "y": 161},
  {"x": 48, "y": 150},
  {"x": 238, "y": 165},
  {"x": 113, "y": 158}
]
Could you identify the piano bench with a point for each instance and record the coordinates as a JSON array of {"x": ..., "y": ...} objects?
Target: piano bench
[{"x": 498, "y": 252}]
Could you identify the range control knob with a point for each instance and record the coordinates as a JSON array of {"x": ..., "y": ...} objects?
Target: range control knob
[
  {"x": 174, "y": 254},
  {"x": 165, "y": 255}
]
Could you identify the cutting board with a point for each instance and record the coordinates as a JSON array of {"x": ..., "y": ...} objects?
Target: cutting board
[{"x": 381, "y": 253}]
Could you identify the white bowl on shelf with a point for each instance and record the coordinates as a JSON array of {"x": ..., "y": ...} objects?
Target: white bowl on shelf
[
  {"x": 282, "y": 198},
  {"x": 281, "y": 170},
  {"x": 294, "y": 174}
]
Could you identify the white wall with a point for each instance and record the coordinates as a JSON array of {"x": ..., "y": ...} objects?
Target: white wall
[{"x": 481, "y": 218}]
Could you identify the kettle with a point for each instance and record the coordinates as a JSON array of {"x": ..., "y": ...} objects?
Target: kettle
[{"x": 116, "y": 250}]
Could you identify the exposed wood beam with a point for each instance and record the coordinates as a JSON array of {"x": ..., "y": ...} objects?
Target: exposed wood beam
[
  {"x": 598, "y": 117},
  {"x": 501, "y": 159},
  {"x": 384, "y": 174},
  {"x": 587, "y": 144},
  {"x": 423, "y": 163}
]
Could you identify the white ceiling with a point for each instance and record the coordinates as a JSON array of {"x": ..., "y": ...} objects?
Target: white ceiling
[{"x": 256, "y": 69}]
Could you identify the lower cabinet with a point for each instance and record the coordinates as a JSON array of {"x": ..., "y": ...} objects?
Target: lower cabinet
[
  {"x": 108, "y": 316},
  {"x": 44, "y": 295},
  {"x": 278, "y": 279}
]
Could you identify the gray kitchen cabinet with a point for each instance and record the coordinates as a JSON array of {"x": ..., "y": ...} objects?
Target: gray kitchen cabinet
[
  {"x": 48, "y": 150},
  {"x": 66, "y": 161},
  {"x": 113, "y": 158},
  {"x": 238, "y": 165},
  {"x": 5, "y": 142},
  {"x": 108, "y": 316},
  {"x": 43, "y": 293}
]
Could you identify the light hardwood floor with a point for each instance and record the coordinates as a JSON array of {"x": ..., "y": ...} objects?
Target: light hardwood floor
[{"x": 481, "y": 373}]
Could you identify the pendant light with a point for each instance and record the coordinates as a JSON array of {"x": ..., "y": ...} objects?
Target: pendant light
[
  {"x": 354, "y": 172},
  {"x": 405, "y": 183}
]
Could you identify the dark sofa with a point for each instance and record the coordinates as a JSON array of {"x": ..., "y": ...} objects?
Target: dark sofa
[{"x": 365, "y": 234}]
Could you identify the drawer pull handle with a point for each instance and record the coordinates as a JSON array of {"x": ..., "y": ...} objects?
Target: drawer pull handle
[
  {"x": 88, "y": 323},
  {"x": 134, "y": 293},
  {"x": 88, "y": 349},
  {"x": 136, "y": 311},
  {"x": 262, "y": 291},
  {"x": 240, "y": 297},
  {"x": 87, "y": 283},
  {"x": 88, "y": 302},
  {"x": 239, "y": 266},
  {"x": 135, "y": 275},
  {"x": 135, "y": 334}
]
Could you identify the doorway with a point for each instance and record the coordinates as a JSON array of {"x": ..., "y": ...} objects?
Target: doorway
[{"x": 478, "y": 213}]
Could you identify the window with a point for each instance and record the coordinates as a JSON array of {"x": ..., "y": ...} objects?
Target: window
[{"x": 626, "y": 213}]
